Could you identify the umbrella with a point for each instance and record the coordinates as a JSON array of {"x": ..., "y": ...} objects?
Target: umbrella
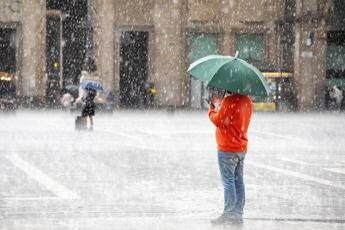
[
  {"x": 230, "y": 73},
  {"x": 73, "y": 90},
  {"x": 90, "y": 84}
]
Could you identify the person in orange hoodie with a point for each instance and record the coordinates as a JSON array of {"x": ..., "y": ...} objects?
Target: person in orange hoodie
[{"x": 231, "y": 119}]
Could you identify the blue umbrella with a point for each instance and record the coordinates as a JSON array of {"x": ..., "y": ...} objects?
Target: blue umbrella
[{"x": 93, "y": 85}]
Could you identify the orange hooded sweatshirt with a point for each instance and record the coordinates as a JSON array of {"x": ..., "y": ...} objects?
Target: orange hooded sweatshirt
[{"x": 232, "y": 121}]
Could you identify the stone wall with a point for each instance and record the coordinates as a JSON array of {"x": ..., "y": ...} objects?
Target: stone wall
[
  {"x": 104, "y": 46},
  {"x": 169, "y": 64},
  {"x": 28, "y": 18},
  {"x": 33, "y": 65},
  {"x": 309, "y": 55},
  {"x": 168, "y": 23}
]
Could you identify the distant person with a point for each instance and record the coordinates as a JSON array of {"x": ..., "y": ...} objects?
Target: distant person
[
  {"x": 66, "y": 100},
  {"x": 81, "y": 90},
  {"x": 231, "y": 120},
  {"x": 337, "y": 95},
  {"x": 89, "y": 107},
  {"x": 110, "y": 100}
]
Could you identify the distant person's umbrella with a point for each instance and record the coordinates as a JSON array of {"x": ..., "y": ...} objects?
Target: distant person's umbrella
[
  {"x": 93, "y": 85},
  {"x": 230, "y": 73},
  {"x": 73, "y": 90}
]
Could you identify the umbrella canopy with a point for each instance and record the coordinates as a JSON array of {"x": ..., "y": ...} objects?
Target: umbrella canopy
[
  {"x": 73, "y": 90},
  {"x": 230, "y": 73},
  {"x": 90, "y": 84}
]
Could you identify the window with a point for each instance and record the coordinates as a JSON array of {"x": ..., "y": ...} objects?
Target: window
[
  {"x": 336, "y": 57},
  {"x": 200, "y": 45},
  {"x": 335, "y": 54},
  {"x": 339, "y": 7},
  {"x": 249, "y": 46}
]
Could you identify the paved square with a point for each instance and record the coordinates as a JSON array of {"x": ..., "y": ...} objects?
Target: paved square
[{"x": 158, "y": 170}]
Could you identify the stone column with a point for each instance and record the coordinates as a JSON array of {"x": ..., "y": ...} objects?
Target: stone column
[
  {"x": 33, "y": 62},
  {"x": 11, "y": 17},
  {"x": 309, "y": 64},
  {"x": 225, "y": 21},
  {"x": 41, "y": 52},
  {"x": 104, "y": 40},
  {"x": 169, "y": 71}
]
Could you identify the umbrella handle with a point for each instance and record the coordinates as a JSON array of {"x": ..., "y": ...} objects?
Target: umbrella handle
[{"x": 224, "y": 93}]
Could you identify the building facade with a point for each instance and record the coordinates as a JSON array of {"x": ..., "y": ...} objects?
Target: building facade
[{"x": 138, "y": 41}]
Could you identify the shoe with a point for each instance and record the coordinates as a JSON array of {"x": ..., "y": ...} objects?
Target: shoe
[{"x": 227, "y": 219}]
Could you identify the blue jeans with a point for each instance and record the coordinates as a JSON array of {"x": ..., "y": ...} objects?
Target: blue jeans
[{"x": 231, "y": 170}]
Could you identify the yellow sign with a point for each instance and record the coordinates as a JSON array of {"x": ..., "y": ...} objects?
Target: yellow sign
[
  {"x": 264, "y": 106},
  {"x": 153, "y": 91},
  {"x": 5, "y": 76},
  {"x": 277, "y": 74}
]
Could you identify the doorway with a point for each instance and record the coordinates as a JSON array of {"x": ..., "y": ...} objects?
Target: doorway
[
  {"x": 8, "y": 89},
  {"x": 67, "y": 31},
  {"x": 133, "y": 68},
  {"x": 67, "y": 28},
  {"x": 8, "y": 50},
  {"x": 335, "y": 70}
]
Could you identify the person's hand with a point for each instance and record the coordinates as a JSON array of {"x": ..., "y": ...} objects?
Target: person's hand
[{"x": 210, "y": 104}]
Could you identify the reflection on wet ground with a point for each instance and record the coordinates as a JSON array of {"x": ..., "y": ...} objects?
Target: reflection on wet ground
[{"x": 152, "y": 170}]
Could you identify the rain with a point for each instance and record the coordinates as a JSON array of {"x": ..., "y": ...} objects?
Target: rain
[{"x": 115, "y": 114}]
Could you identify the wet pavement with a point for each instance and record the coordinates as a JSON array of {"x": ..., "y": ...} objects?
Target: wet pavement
[{"x": 158, "y": 170}]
